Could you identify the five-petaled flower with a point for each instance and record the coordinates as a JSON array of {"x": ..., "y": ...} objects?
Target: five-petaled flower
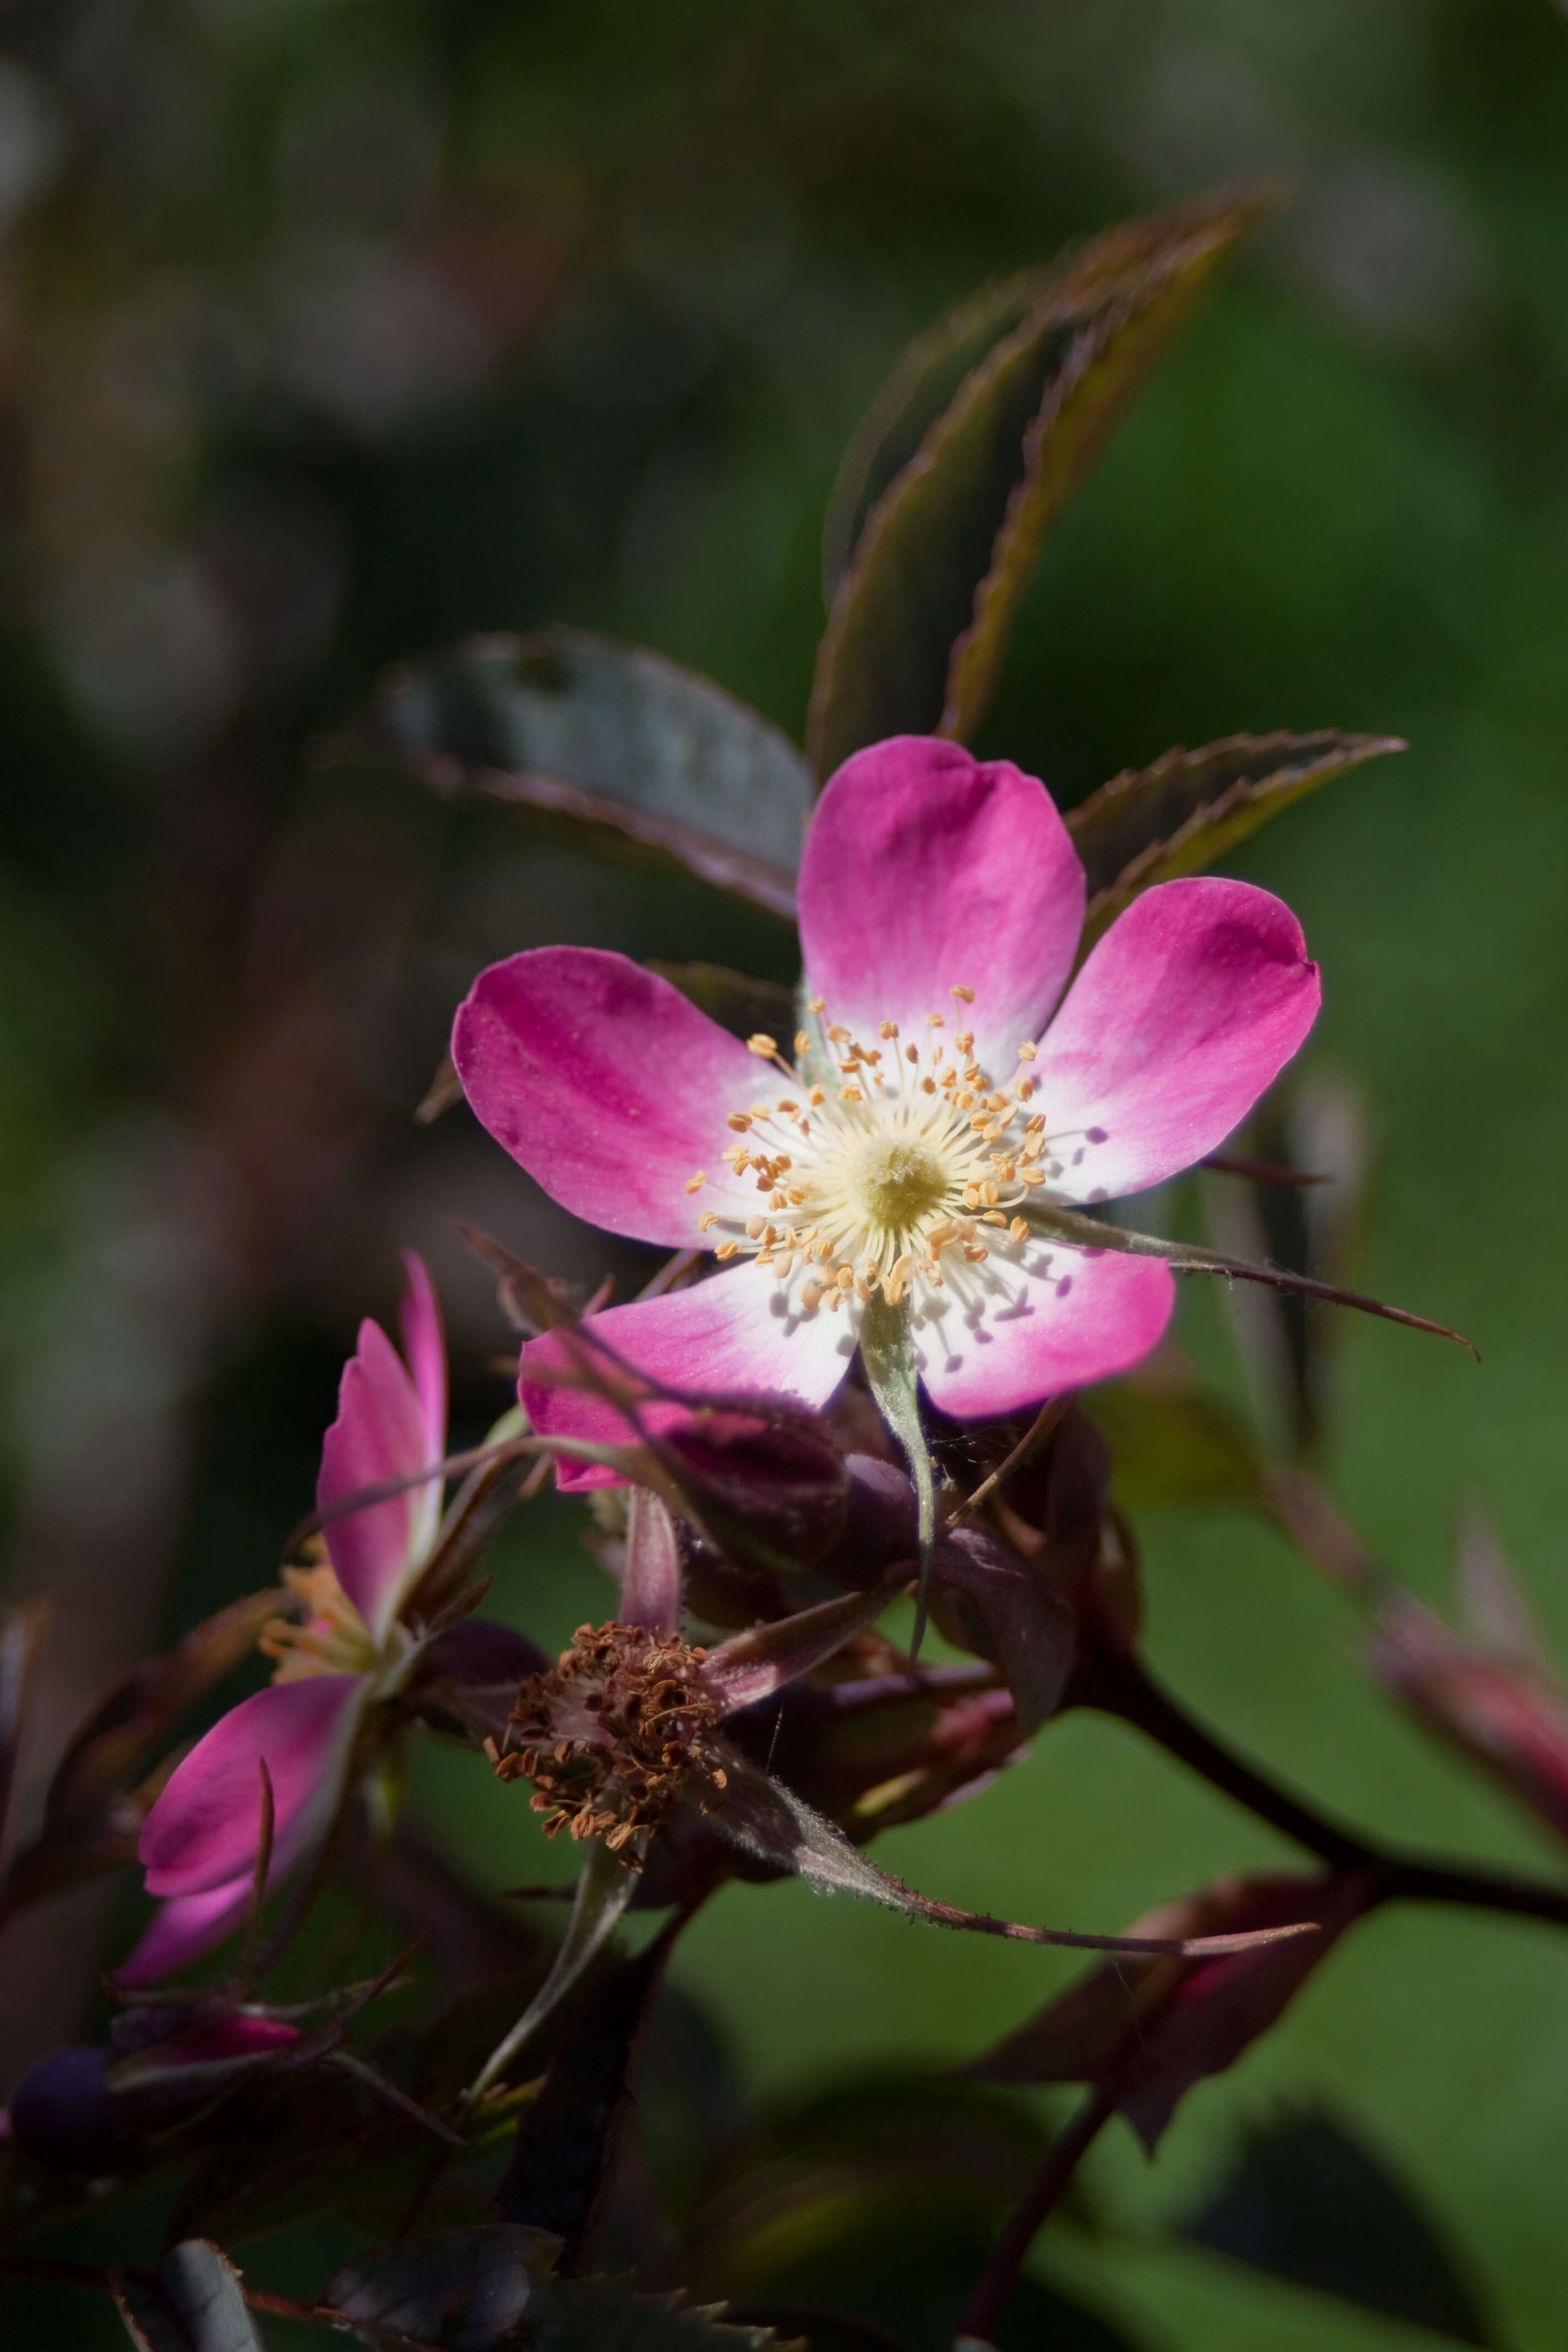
[
  {"x": 931, "y": 1109},
  {"x": 348, "y": 1650}
]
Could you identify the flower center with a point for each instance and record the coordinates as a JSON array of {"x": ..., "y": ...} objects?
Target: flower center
[
  {"x": 879, "y": 1173},
  {"x": 330, "y": 1637},
  {"x": 613, "y": 1736},
  {"x": 894, "y": 1182}
]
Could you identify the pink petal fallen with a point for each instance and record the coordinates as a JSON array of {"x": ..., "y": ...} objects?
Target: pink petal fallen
[
  {"x": 185, "y": 1927},
  {"x": 728, "y": 1336},
  {"x": 1072, "y": 1317},
  {"x": 381, "y": 1432},
  {"x": 608, "y": 1084},
  {"x": 203, "y": 1831},
  {"x": 926, "y": 869},
  {"x": 1186, "y": 1010}
]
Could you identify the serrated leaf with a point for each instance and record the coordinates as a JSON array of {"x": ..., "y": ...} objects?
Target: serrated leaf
[
  {"x": 1152, "y": 824},
  {"x": 592, "y": 2316},
  {"x": 1175, "y": 1447},
  {"x": 195, "y": 2304},
  {"x": 609, "y": 746},
  {"x": 463, "y": 2290},
  {"x": 921, "y": 616},
  {"x": 1304, "y": 2201}
]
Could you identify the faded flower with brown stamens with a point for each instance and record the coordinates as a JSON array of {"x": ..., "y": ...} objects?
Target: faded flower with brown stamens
[{"x": 614, "y": 1736}]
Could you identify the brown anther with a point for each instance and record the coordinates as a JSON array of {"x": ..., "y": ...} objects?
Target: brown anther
[
  {"x": 990, "y": 1194},
  {"x": 974, "y": 1254},
  {"x": 788, "y": 1106},
  {"x": 1026, "y": 1053},
  {"x": 1022, "y": 1089},
  {"x": 726, "y": 1249},
  {"x": 738, "y": 1121},
  {"x": 911, "y": 1052},
  {"x": 707, "y": 1220},
  {"x": 843, "y": 1275},
  {"x": 762, "y": 1046},
  {"x": 1032, "y": 1174},
  {"x": 817, "y": 1095},
  {"x": 928, "y": 1085},
  {"x": 810, "y": 1296},
  {"x": 837, "y": 1035},
  {"x": 1037, "y": 1124},
  {"x": 760, "y": 1111},
  {"x": 862, "y": 1289},
  {"x": 993, "y": 1217},
  {"x": 887, "y": 1028},
  {"x": 935, "y": 1020},
  {"x": 795, "y": 1195},
  {"x": 965, "y": 1040},
  {"x": 755, "y": 1229},
  {"x": 965, "y": 995},
  {"x": 1018, "y": 1231},
  {"x": 851, "y": 1093},
  {"x": 695, "y": 1183},
  {"x": 815, "y": 1003},
  {"x": 785, "y": 1267}
]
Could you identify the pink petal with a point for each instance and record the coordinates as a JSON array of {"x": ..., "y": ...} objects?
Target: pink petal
[
  {"x": 381, "y": 1432},
  {"x": 729, "y": 1336},
  {"x": 608, "y": 1084},
  {"x": 925, "y": 870},
  {"x": 424, "y": 1346},
  {"x": 203, "y": 1831},
  {"x": 1187, "y": 1009},
  {"x": 1071, "y": 1317},
  {"x": 181, "y": 1930}
]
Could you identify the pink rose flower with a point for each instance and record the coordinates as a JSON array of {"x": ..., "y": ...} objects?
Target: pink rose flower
[
  {"x": 198, "y": 1844},
  {"x": 932, "y": 1104}
]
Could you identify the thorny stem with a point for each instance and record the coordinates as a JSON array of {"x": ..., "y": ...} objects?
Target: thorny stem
[
  {"x": 34, "y": 2270},
  {"x": 1117, "y": 1684},
  {"x": 994, "y": 2288}
]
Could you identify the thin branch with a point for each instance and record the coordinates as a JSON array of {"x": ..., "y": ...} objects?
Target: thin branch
[
  {"x": 994, "y": 2289},
  {"x": 1119, "y": 1685},
  {"x": 1035, "y": 1436}
]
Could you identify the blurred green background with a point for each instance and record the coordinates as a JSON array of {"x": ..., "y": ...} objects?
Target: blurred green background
[{"x": 332, "y": 329}]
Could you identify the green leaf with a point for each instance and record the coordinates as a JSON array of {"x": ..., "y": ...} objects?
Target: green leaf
[
  {"x": 888, "y": 1353},
  {"x": 921, "y": 613},
  {"x": 1306, "y": 2202},
  {"x": 1175, "y": 1447},
  {"x": 463, "y": 2290},
  {"x": 608, "y": 746},
  {"x": 1151, "y": 825},
  {"x": 195, "y": 2304}
]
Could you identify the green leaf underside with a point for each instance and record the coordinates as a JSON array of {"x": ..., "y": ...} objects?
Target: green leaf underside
[
  {"x": 608, "y": 746},
  {"x": 920, "y": 617},
  {"x": 1305, "y": 2201},
  {"x": 1176, "y": 816},
  {"x": 887, "y": 1352}
]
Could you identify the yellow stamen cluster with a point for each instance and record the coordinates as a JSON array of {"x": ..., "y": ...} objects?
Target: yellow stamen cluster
[
  {"x": 883, "y": 1180},
  {"x": 330, "y": 1637}
]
